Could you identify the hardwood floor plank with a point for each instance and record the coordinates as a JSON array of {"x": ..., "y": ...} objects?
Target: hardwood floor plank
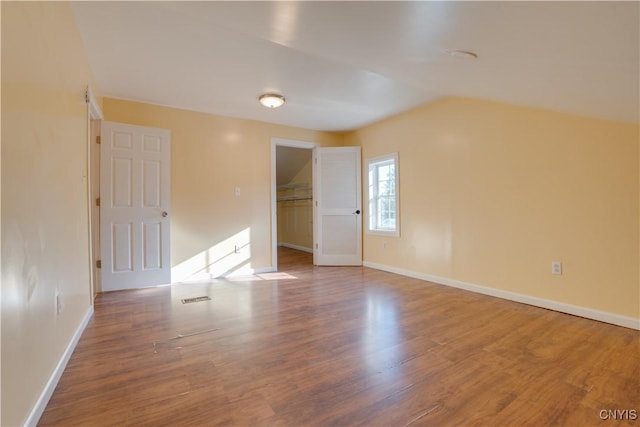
[{"x": 340, "y": 346}]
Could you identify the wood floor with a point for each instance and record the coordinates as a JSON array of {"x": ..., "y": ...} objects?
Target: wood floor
[{"x": 339, "y": 347}]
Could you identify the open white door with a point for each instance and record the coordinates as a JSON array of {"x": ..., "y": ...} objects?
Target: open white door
[
  {"x": 134, "y": 206},
  {"x": 337, "y": 206}
]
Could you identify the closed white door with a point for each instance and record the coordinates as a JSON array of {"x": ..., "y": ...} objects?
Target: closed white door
[
  {"x": 337, "y": 206},
  {"x": 134, "y": 206}
]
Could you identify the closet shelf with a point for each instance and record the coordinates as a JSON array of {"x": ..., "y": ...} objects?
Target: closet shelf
[
  {"x": 293, "y": 185},
  {"x": 290, "y": 198},
  {"x": 295, "y": 191}
]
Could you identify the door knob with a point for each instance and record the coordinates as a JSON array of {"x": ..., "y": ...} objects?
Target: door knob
[
  {"x": 165, "y": 214},
  {"x": 357, "y": 212}
]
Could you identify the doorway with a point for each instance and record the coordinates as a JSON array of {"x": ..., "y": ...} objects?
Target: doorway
[
  {"x": 292, "y": 196},
  {"x": 126, "y": 185}
]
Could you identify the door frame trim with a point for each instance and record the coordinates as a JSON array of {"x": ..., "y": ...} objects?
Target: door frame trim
[
  {"x": 94, "y": 112},
  {"x": 275, "y": 142}
]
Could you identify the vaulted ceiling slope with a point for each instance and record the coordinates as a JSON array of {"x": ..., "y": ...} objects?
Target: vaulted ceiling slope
[
  {"x": 342, "y": 65},
  {"x": 289, "y": 163}
]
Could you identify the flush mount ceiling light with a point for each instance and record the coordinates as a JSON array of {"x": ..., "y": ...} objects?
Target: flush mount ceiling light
[
  {"x": 464, "y": 54},
  {"x": 271, "y": 100}
]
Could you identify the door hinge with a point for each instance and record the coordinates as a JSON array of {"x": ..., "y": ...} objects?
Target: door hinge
[
  {"x": 99, "y": 263},
  {"x": 315, "y": 160},
  {"x": 98, "y": 201},
  {"x": 98, "y": 139},
  {"x": 316, "y": 246}
]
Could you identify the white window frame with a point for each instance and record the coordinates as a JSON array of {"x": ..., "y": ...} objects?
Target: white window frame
[{"x": 372, "y": 212}]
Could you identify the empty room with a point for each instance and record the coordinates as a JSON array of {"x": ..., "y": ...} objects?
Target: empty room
[{"x": 320, "y": 213}]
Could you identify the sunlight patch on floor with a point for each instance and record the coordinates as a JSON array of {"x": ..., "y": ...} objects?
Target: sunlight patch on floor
[{"x": 262, "y": 276}]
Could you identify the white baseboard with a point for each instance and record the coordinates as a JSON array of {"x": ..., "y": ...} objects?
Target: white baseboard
[
  {"x": 602, "y": 316},
  {"x": 296, "y": 247},
  {"x": 47, "y": 392}
]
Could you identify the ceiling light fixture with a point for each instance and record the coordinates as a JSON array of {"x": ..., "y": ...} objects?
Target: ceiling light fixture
[
  {"x": 465, "y": 54},
  {"x": 271, "y": 100}
]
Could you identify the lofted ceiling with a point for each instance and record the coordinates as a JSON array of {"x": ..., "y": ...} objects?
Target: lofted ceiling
[
  {"x": 289, "y": 162},
  {"x": 342, "y": 65}
]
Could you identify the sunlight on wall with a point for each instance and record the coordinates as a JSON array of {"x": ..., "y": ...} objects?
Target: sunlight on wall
[
  {"x": 230, "y": 257},
  {"x": 433, "y": 243}
]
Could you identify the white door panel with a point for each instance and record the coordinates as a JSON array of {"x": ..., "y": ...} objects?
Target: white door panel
[
  {"x": 135, "y": 202},
  {"x": 338, "y": 218}
]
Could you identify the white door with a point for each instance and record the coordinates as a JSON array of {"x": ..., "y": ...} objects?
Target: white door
[
  {"x": 338, "y": 208},
  {"x": 134, "y": 206}
]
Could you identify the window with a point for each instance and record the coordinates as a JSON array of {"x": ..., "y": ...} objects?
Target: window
[{"x": 382, "y": 186}]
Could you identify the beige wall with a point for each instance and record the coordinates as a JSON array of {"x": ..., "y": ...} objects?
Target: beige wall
[
  {"x": 295, "y": 217},
  {"x": 491, "y": 194},
  {"x": 211, "y": 156},
  {"x": 44, "y": 200}
]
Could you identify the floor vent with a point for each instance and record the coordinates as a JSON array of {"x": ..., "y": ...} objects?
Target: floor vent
[{"x": 196, "y": 299}]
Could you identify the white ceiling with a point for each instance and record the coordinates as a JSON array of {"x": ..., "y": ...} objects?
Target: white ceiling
[{"x": 342, "y": 65}]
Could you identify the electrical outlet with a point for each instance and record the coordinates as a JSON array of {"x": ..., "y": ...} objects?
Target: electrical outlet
[
  {"x": 556, "y": 268},
  {"x": 237, "y": 191}
]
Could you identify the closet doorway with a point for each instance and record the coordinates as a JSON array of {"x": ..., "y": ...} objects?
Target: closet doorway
[{"x": 292, "y": 196}]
